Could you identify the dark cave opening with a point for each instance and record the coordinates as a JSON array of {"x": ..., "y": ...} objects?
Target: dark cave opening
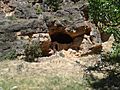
[{"x": 61, "y": 38}]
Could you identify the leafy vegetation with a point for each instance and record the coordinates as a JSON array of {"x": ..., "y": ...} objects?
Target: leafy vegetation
[
  {"x": 10, "y": 55},
  {"x": 53, "y": 4},
  {"x": 106, "y": 15},
  {"x": 32, "y": 51},
  {"x": 38, "y": 9},
  {"x": 105, "y": 11},
  {"x": 41, "y": 83},
  {"x": 12, "y": 17}
]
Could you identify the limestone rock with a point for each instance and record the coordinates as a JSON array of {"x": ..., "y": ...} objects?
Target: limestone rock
[
  {"x": 67, "y": 28},
  {"x": 2, "y": 15},
  {"x": 107, "y": 46}
]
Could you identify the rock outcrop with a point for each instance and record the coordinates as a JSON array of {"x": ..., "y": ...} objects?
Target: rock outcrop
[{"x": 68, "y": 27}]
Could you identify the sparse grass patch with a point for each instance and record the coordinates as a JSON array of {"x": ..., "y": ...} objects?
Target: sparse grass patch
[
  {"x": 12, "y": 17},
  {"x": 11, "y": 55},
  {"x": 40, "y": 83}
]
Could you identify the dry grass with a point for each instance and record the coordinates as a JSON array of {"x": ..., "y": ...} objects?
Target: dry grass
[
  {"x": 40, "y": 83},
  {"x": 46, "y": 75}
]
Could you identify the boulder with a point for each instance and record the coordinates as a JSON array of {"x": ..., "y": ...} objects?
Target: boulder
[{"x": 107, "y": 46}]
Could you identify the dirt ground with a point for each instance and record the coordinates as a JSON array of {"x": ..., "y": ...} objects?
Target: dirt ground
[{"x": 50, "y": 73}]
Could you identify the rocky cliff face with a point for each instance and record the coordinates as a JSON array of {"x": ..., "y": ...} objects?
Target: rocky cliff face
[{"x": 24, "y": 21}]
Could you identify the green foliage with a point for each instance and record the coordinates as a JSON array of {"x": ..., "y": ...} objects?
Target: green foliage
[
  {"x": 114, "y": 56},
  {"x": 40, "y": 82},
  {"x": 105, "y": 11},
  {"x": 12, "y": 17},
  {"x": 38, "y": 9},
  {"x": 106, "y": 15},
  {"x": 32, "y": 51},
  {"x": 53, "y": 4},
  {"x": 115, "y": 31},
  {"x": 10, "y": 55}
]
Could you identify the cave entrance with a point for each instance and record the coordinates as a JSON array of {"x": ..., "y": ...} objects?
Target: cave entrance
[{"x": 61, "y": 38}]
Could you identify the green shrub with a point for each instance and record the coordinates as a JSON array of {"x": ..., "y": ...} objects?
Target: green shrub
[
  {"x": 105, "y": 11},
  {"x": 38, "y": 9},
  {"x": 32, "y": 51},
  {"x": 10, "y": 55},
  {"x": 53, "y": 4},
  {"x": 114, "y": 55},
  {"x": 106, "y": 15},
  {"x": 12, "y": 17}
]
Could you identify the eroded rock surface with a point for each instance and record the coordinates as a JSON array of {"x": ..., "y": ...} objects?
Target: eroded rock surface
[{"x": 67, "y": 28}]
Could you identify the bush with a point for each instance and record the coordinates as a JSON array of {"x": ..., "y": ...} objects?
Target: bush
[
  {"x": 105, "y": 11},
  {"x": 106, "y": 15},
  {"x": 10, "y": 55},
  {"x": 53, "y": 4},
  {"x": 12, "y": 17},
  {"x": 38, "y": 9},
  {"x": 32, "y": 51}
]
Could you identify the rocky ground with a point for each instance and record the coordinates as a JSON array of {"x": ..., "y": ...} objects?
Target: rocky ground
[
  {"x": 70, "y": 44},
  {"x": 22, "y": 25},
  {"x": 56, "y": 72}
]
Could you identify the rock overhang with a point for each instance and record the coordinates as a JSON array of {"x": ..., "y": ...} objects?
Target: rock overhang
[{"x": 69, "y": 23}]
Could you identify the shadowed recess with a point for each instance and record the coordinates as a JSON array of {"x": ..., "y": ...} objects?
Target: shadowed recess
[{"x": 61, "y": 38}]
